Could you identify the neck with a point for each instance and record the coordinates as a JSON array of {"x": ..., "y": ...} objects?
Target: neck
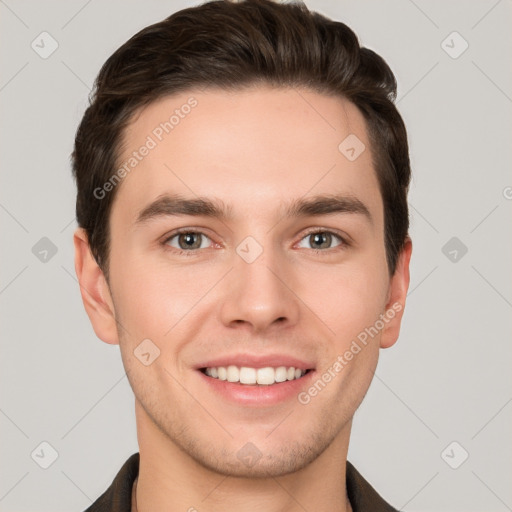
[{"x": 170, "y": 479}]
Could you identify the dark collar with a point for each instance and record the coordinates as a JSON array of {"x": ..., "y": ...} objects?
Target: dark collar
[{"x": 117, "y": 498}]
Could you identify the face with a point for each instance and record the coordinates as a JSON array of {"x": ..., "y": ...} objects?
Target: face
[{"x": 277, "y": 278}]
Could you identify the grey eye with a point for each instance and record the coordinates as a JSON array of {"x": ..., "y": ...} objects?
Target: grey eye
[
  {"x": 321, "y": 240},
  {"x": 189, "y": 240}
]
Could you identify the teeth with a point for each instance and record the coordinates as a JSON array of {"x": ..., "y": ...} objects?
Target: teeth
[
  {"x": 263, "y": 376},
  {"x": 247, "y": 375},
  {"x": 266, "y": 376},
  {"x": 281, "y": 374},
  {"x": 233, "y": 374}
]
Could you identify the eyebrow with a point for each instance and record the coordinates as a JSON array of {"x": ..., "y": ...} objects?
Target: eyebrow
[{"x": 169, "y": 205}]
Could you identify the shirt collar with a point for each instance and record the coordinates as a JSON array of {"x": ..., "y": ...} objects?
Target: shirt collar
[{"x": 118, "y": 497}]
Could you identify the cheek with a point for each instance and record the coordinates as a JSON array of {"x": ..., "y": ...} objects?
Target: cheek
[
  {"x": 142, "y": 301},
  {"x": 154, "y": 297},
  {"x": 347, "y": 299}
]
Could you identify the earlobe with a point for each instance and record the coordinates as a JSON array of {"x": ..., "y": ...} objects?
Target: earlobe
[
  {"x": 398, "y": 288},
  {"x": 94, "y": 290}
]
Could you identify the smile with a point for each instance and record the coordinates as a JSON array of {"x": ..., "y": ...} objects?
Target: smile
[{"x": 251, "y": 376}]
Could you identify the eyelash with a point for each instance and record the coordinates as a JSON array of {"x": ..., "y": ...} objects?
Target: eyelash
[{"x": 193, "y": 252}]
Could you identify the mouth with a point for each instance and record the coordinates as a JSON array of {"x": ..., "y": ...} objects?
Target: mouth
[
  {"x": 255, "y": 380},
  {"x": 249, "y": 376}
]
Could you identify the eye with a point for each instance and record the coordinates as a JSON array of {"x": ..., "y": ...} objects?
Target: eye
[
  {"x": 322, "y": 239},
  {"x": 187, "y": 241}
]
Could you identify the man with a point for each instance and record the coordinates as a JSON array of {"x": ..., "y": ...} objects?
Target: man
[{"x": 242, "y": 179}]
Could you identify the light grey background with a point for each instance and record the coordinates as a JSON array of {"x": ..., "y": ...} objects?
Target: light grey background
[{"x": 448, "y": 377}]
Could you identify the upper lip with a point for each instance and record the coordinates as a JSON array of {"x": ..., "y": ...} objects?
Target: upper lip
[{"x": 257, "y": 361}]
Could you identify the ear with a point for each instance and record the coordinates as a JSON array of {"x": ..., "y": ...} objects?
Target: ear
[
  {"x": 94, "y": 290},
  {"x": 397, "y": 293}
]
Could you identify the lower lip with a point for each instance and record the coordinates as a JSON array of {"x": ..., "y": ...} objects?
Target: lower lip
[{"x": 258, "y": 395}]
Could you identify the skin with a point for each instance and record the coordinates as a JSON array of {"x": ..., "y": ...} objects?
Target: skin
[{"x": 255, "y": 149}]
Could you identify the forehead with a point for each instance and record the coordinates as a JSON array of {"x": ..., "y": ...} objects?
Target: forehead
[{"x": 252, "y": 149}]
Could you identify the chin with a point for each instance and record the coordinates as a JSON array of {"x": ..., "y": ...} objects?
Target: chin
[{"x": 261, "y": 459}]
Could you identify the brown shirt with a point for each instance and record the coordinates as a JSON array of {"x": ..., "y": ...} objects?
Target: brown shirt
[{"x": 118, "y": 497}]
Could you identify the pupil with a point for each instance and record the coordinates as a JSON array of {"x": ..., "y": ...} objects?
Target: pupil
[
  {"x": 188, "y": 239},
  {"x": 321, "y": 238}
]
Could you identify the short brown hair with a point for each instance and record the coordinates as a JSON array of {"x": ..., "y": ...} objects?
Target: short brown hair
[{"x": 230, "y": 45}]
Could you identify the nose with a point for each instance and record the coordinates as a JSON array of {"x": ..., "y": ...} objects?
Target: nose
[{"x": 259, "y": 295}]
